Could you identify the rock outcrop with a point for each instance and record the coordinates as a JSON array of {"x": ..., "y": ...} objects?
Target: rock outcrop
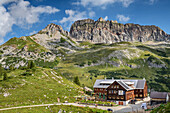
[
  {"x": 52, "y": 30},
  {"x": 102, "y": 31}
]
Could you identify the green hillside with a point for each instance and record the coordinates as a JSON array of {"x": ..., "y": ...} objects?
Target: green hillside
[
  {"x": 56, "y": 109},
  {"x": 163, "y": 108},
  {"x": 120, "y": 60},
  {"x": 36, "y": 86},
  {"x": 21, "y": 42},
  {"x": 17, "y": 51}
]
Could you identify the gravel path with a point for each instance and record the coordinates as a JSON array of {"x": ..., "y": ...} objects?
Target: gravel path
[{"x": 117, "y": 109}]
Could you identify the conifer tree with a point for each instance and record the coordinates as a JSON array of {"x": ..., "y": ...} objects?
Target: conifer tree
[
  {"x": 1, "y": 70},
  {"x": 5, "y": 76},
  {"x": 32, "y": 65}
]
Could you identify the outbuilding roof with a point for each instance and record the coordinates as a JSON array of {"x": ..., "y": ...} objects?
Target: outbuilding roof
[{"x": 158, "y": 95}]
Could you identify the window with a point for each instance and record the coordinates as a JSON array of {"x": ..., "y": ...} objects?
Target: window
[
  {"x": 136, "y": 95},
  {"x": 115, "y": 91},
  {"x": 120, "y": 92},
  {"x": 117, "y": 86},
  {"x": 113, "y": 97},
  {"x": 101, "y": 89},
  {"x": 122, "y": 97},
  {"x": 117, "y": 97},
  {"x": 140, "y": 90},
  {"x": 110, "y": 91},
  {"x": 114, "y": 86},
  {"x": 140, "y": 95},
  {"x": 110, "y": 97}
]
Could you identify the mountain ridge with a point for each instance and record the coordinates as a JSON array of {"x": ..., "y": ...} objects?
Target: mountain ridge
[{"x": 102, "y": 31}]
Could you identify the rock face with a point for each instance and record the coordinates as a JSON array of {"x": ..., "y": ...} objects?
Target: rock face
[
  {"x": 52, "y": 30},
  {"x": 50, "y": 38},
  {"x": 102, "y": 31}
]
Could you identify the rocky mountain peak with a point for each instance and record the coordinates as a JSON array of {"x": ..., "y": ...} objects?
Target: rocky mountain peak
[
  {"x": 101, "y": 19},
  {"x": 102, "y": 31},
  {"x": 115, "y": 21},
  {"x": 51, "y": 29}
]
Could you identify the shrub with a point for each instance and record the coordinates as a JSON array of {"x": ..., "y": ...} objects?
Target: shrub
[
  {"x": 94, "y": 61},
  {"x": 82, "y": 64},
  {"x": 89, "y": 63},
  {"x": 62, "y": 40},
  {"x": 76, "y": 80},
  {"x": 26, "y": 74}
]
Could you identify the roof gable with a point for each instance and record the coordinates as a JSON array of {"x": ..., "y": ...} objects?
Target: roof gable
[{"x": 121, "y": 83}]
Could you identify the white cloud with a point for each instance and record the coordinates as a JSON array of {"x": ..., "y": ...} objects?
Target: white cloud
[
  {"x": 122, "y": 18},
  {"x": 23, "y": 12},
  {"x": 92, "y": 14},
  {"x": 33, "y": 32},
  {"x": 7, "y": 1},
  {"x": 6, "y": 23},
  {"x": 72, "y": 17},
  {"x": 106, "y": 18},
  {"x": 20, "y": 13},
  {"x": 102, "y": 3},
  {"x": 70, "y": 12}
]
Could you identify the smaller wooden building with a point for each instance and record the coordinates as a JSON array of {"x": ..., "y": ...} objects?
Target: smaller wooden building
[{"x": 159, "y": 97}]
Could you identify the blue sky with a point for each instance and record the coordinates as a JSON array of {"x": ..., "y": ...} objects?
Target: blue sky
[{"x": 25, "y": 17}]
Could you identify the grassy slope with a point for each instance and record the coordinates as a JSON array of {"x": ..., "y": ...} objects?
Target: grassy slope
[
  {"x": 56, "y": 109},
  {"x": 155, "y": 76},
  {"x": 163, "y": 108},
  {"x": 36, "y": 89},
  {"x": 32, "y": 46},
  {"x": 19, "y": 43}
]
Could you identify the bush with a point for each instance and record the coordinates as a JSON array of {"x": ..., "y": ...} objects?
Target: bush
[
  {"x": 62, "y": 40},
  {"x": 89, "y": 63},
  {"x": 26, "y": 74},
  {"x": 94, "y": 61},
  {"x": 76, "y": 80},
  {"x": 82, "y": 64}
]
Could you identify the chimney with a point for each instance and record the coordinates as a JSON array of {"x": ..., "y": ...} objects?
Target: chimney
[
  {"x": 112, "y": 78},
  {"x": 143, "y": 78},
  {"x": 105, "y": 78}
]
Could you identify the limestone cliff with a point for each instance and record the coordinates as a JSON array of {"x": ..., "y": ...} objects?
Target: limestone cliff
[{"x": 102, "y": 31}]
